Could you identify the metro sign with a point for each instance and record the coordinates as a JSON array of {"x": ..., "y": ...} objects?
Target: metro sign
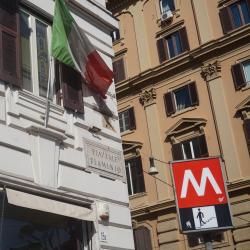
[{"x": 201, "y": 195}]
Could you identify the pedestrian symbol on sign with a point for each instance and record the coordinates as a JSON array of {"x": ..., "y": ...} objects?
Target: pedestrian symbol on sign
[{"x": 200, "y": 215}]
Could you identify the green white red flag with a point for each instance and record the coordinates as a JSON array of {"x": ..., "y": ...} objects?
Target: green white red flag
[{"x": 72, "y": 47}]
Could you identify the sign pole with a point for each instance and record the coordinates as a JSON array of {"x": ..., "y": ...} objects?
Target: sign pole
[{"x": 208, "y": 241}]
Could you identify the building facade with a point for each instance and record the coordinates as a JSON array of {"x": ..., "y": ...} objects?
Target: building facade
[
  {"x": 182, "y": 72},
  {"x": 62, "y": 174}
]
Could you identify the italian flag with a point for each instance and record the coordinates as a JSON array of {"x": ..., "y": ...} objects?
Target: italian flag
[{"x": 72, "y": 47}]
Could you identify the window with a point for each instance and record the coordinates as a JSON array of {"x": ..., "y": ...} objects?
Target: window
[
  {"x": 235, "y": 15},
  {"x": 24, "y": 62},
  {"x": 181, "y": 98},
  {"x": 142, "y": 239},
  {"x": 172, "y": 45},
  {"x": 35, "y": 35},
  {"x": 166, "y": 6},
  {"x": 190, "y": 149},
  {"x": 9, "y": 44},
  {"x": 119, "y": 70},
  {"x": 127, "y": 120},
  {"x": 135, "y": 177},
  {"x": 34, "y": 229},
  {"x": 241, "y": 74},
  {"x": 115, "y": 35}
]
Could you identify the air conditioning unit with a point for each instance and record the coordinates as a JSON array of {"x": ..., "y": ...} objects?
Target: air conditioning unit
[{"x": 166, "y": 15}]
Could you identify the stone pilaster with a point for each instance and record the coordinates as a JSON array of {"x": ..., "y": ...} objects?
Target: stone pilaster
[
  {"x": 211, "y": 73},
  {"x": 148, "y": 100}
]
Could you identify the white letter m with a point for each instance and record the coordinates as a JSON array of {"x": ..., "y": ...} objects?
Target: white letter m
[{"x": 200, "y": 189}]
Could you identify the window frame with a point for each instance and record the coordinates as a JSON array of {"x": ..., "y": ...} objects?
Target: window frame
[
  {"x": 192, "y": 95},
  {"x": 123, "y": 119},
  {"x": 162, "y": 44},
  {"x": 227, "y": 17},
  {"x": 33, "y": 51},
  {"x": 130, "y": 177},
  {"x": 119, "y": 73},
  {"x": 178, "y": 152},
  {"x": 239, "y": 75},
  {"x": 131, "y": 119},
  {"x": 161, "y": 6},
  {"x": 115, "y": 35}
]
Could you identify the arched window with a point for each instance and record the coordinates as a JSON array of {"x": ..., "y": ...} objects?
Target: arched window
[{"x": 142, "y": 239}]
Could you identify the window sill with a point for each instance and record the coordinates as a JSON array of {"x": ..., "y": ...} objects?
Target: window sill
[
  {"x": 134, "y": 196},
  {"x": 118, "y": 41},
  {"x": 246, "y": 87},
  {"x": 183, "y": 111},
  {"x": 127, "y": 132}
]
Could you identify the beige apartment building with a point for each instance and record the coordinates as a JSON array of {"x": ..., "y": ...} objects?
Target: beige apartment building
[{"x": 182, "y": 72}]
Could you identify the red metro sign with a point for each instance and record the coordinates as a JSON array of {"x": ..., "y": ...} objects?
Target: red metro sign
[{"x": 201, "y": 195}]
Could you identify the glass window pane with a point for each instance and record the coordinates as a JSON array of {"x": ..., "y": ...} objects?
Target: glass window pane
[
  {"x": 36, "y": 230},
  {"x": 177, "y": 42},
  {"x": 182, "y": 98},
  {"x": 124, "y": 121},
  {"x": 171, "y": 51},
  {"x": 25, "y": 51},
  {"x": 246, "y": 67},
  {"x": 167, "y": 5},
  {"x": 137, "y": 175},
  {"x": 236, "y": 15},
  {"x": 128, "y": 179},
  {"x": 245, "y": 12},
  {"x": 121, "y": 122},
  {"x": 187, "y": 150},
  {"x": 196, "y": 147},
  {"x": 42, "y": 57}
]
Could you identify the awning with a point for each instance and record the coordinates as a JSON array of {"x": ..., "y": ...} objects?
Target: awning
[{"x": 47, "y": 205}]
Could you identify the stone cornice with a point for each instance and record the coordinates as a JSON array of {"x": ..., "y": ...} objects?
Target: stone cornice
[
  {"x": 153, "y": 208},
  {"x": 209, "y": 51},
  {"x": 113, "y": 5}
]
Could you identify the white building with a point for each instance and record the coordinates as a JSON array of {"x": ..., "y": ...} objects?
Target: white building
[{"x": 63, "y": 183}]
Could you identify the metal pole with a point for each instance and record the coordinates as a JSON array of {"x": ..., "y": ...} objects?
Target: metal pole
[
  {"x": 208, "y": 241},
  {"x": 47, "y": 107}
]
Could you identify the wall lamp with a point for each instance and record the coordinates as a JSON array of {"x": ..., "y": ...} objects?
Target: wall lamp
[{"x": 152, "y": 168}]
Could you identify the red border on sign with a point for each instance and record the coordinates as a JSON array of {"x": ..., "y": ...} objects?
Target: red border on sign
[{"x": 199, "y": 183}]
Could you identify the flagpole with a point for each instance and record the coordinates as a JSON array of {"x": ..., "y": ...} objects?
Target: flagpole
[{"x": 46, "y": 115}]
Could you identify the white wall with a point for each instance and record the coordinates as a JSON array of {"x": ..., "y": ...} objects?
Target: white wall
[{"x": 54, "y": 158}]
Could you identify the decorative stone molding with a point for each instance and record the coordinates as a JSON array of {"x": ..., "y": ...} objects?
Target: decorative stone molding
[
  {"x": 243, "y": 109},
  {"x": 211, "y": 71},
  {"x": 148, "y": 97}
]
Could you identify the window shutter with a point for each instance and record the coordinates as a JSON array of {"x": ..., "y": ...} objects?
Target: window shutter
[
  {"x": 10, "y": 42},
  {"x": 193, "y": 94},
  {"x": 162, "y": 50},
  {"x": 225, "y": 20},
  {"x": 238, "y": 76},
  {"x": 142, "y": 239},
  {"x": 247, "y": 130},
  {"x": 119, "y": 70},
  {"x": 132, "y": 124},
  {"x": 177, "y": 152},
  {"x": 184, "y": 39},
  {"x": 138, "y": 177},
  {"x": 72, "y": 89},
  {"x": 203, "y": 146},
  {"x": 169, "y": 103}
]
